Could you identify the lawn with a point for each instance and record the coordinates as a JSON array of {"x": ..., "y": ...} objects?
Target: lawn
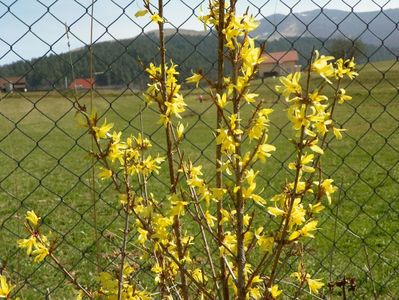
[{"x": 45, "y": 167}]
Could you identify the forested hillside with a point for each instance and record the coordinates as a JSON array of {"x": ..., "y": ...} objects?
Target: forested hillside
[{"x": 121, "y": 62}]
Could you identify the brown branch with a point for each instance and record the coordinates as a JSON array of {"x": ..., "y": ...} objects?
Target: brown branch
[
  {"x": 71, "y": 278},
  {"x": 220, "y": 229},
  {"x": 293, "y": 193},
  {"x": 176, "y": 221},
  {"x": 125, "y": 229}
]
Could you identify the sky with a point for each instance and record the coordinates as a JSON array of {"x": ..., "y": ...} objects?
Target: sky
[{"x": 114, "y": 19}]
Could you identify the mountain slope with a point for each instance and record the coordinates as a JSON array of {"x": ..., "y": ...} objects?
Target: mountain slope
[
  {"x": 117, "y": 62},
  {"x": 121, "y": 62},
  {"x": 376, "y": 27}
]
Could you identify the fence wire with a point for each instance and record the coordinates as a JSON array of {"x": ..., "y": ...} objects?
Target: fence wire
[{"x": 43, "y": 153}]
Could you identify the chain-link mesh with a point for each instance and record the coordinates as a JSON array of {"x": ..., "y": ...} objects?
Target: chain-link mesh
[{"x": 43, "y": 153}]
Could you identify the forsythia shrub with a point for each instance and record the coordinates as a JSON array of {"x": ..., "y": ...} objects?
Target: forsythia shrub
[{"x": 229, "y": 213}]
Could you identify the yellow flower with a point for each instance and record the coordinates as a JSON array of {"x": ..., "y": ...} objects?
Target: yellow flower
[
  {"x": 298, "y": 117},
  {"x": 316, "y": 208},
  {"x": 254, "y": 293},
  {"x": 175, "y": 106},
  {"x": 258, "y": 199},
  {"x": 153, "y": 71},
  {"x": 249, "y": 23},
  {"x": 266, "y": 243},
  {"x": 250, "y": 97},
  {"x": 260, "y": 125},
  {"x": 226, "y": 140},
  {"x": 346, "y": 67},
  {"x": 275, "y": 291},
  {"x": 142, "y": 237},
  {"x": 29, "y": 244},
  {"x": 229, "y": 242},
  {"x": 264, "y": 151},
  {"x": 322, "y": 66},
  {"x": 32, "y": 218},
  {"x": 337, "y": 133},
  {"x": 157, "y": 269},
  {"x": 142, "y": 143},
  {"x": 157, "y": 19},
  {"x": 105, "y": 173},
  {"x": 196, "y": 78},
  {"x": 210, "y": 219},
  {"x": 298, "y": 213},
  {"x": 342, "y": 97},
  {"x": 328, "y": 188},
  {"x": 198, "y": 275},
  {"x": 251, "y": 56},
  {"x": 116, "y": 151},
  {"x": 225, "y": 216},
  {"x": 275, "y": 211},
  {"x": 306, "y": 230},
  {"x": 40, "y": 253},
  {"x": 147, "y": 166},
  {"x": 314, "y": 285},
  {"x": 180, "y": 131},
  {"x": 315, "y": 97},
  {"x": 350, "y": 66},
  {"x": 316, "y": 148},
  {"x": 221, "y": 100},
  {"x": 290, "y": 85},
  {"x": 101, "y": 132},
  {"x": 161, "y": 227},
  {"x": 177, "y": 205},
  {"x": 306, "y": 159},
  {"x": 5, "y": 288}
]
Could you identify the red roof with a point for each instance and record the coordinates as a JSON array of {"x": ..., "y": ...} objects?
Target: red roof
[
  {"x": 280, "y": 57},
  {"x": 82, "y": 83}
]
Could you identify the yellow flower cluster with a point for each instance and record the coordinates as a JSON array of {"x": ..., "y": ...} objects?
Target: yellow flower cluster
[
  {"x": 155, "y": 235},
  {"x": 225, "y": 214},
  {"x": 314, "y": 284},
  {"x": 310, "y": 113},
  {"x": 165, "y": 92},
  {"x": 155, "y": 17},
  {"x": 109, "y": 286},
  {"x": 37, "y": 244},
  {"x": 5, "y": 288},
  {"x": 129, "y": 154}
]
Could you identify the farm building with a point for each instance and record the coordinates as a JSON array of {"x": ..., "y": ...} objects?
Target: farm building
[
  {"x": 82, "y": 83},
  {"x": 278, "y": 63},
  {"x": 15, "y": 83}
]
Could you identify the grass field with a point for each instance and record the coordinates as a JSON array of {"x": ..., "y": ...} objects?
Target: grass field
[{"x": 45, "y": 167}]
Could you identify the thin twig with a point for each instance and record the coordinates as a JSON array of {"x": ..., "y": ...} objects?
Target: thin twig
[
  {"x": 220, "y": 229},
  {"x": 71, "y": 278},
  {"x": 169, "y": 141},
  {"x": 125, "y": 229},
  {"x": 369, "y": 272},
  {"x": 286, "y": 219},
  {"x": 93, "y": 171}
]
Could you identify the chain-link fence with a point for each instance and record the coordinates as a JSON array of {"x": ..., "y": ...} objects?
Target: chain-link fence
[{"x": 45, "y": 56}]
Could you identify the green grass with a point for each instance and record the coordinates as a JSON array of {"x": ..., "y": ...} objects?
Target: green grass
[{"x": 45, "y": 167}]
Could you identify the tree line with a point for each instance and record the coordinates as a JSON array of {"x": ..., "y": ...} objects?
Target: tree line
[{"x": 120, "y": 62}]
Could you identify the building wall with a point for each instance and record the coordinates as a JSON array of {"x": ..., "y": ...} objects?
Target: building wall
[
  {"x": 267, "y": 68},
  {"x": 19, "y": 86},
  {"x": 281, "y": 69},
  {"x": 288, "y": 67}
]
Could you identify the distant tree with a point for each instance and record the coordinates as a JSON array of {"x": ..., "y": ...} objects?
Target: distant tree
[{"x": 347, "y": 48}]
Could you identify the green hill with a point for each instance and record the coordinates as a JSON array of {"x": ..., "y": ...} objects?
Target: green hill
[{"x": 120, "y": 62}]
